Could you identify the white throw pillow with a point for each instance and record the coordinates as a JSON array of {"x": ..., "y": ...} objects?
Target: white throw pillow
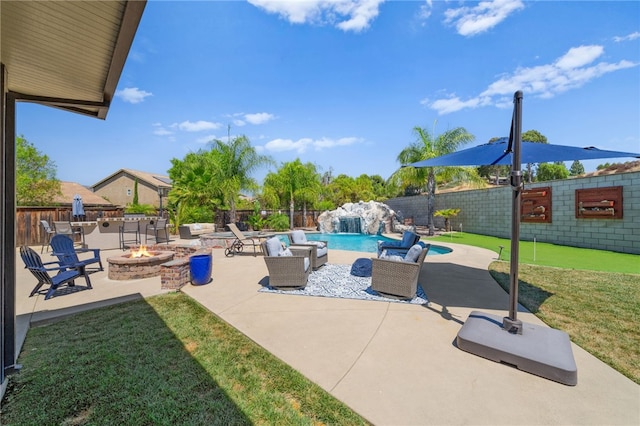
[
  {"x": 413, "y": 253},
  {"x": 393, "y": 257},
  {"x": 197, "y": 227},
  {"x": 285, "y": 252}
]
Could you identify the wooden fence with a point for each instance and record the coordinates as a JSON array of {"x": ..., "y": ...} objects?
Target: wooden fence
[{"x": 29, "y": 231}]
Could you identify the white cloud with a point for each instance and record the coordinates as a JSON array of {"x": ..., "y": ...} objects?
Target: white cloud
[
  {"x": 259, "y": 118},
  {"x": 347, "y": 15},
  {"x": 571, "y": 71},
  {"x": 303, "y": 144},
  {"x": 160, "y": 130},
  {"x": 280, "y": 145},
  {"x": 485, "y": 15},
  {"x": 132, "y": 95},
  {"x": 198, "y": 126},
  {"x": 628, "y": 37},
  {"x": 206, "y": 139},
  {"x": 239, "y": 123},
  {"x": 424, "y": 12}
]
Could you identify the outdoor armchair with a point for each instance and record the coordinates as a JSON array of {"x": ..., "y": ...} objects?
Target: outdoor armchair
[
  {"x": 398, "y": 277},
  {"x": 319, "y": 249},
  {"x": 399, "y": 247},
  {"x": 288, "y": 269}
]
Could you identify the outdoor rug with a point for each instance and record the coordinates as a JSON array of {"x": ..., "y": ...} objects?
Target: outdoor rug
[{"x": 336, "y": 281}]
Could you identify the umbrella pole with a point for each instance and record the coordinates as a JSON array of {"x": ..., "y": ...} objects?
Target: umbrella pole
[{"x": 511, "y": 323}]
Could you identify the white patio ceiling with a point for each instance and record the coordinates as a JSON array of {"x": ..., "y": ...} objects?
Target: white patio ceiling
[{"x": 67, "y": 54}]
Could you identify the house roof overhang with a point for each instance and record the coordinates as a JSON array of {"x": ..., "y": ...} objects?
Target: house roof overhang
[{"x": 67, "y": 54}]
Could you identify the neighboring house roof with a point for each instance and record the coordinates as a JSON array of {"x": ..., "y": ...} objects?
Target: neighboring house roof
[
  {"x": 67, "y": 54},
  {"x": 153, "y": 179},
  {"x": 89, "y": 198}
]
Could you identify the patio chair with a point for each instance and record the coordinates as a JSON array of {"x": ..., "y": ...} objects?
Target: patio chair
[
  {"x": 62, "y": 248},
  {"x": 40, "y": 270},
  {"x": 65, "y": 228},
  {"x": 129, "y": 233},
  {"x": 241, "y": 240},
  {"x": 289, "y": 269},
  {"x": 398, "y": 278},
  {"x": 319, "y": 249},
  {"x": 399, "y": 248},
  {"x": 157, "y": 227},
  {"x": 48, "y": 232}
]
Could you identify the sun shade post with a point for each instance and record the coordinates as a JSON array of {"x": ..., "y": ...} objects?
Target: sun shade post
[{"x": 511, "y": 323}]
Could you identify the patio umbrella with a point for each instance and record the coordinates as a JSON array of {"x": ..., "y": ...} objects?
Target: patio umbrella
[
  {"x": 501, "y": 153},
  {"x": 77, "y": 207},
  {"x": 542, "y": 351}
]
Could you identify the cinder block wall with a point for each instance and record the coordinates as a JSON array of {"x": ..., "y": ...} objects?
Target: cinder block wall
[{"x": 488, "y": 212}]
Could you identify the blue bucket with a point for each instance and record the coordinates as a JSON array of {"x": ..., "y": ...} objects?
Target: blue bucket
[{"x": 200, "y": 266}]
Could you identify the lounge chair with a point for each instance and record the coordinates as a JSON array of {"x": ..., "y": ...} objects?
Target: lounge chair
[
  {"x": 241, "y": 240},
  {"x": 41, "y": 270},
  {"x": 319, "y": 252},
  {"x": 62, "y": 248},
  {"x": 399, "y": 248},
  {"x": 397, "y": 277},
  {"x": 289, "y": 268}
]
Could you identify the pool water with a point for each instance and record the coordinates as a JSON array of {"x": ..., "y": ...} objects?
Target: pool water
[{"x": 363, "y": 242}]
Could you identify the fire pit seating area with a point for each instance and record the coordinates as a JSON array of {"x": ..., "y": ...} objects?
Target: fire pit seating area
[
  {"x": 194, "y": 230},
  {"x": 171, "y": 262}
]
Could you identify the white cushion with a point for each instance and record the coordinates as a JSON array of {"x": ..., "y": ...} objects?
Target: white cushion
[
  {"x": 319, "y": 244},
  {"x": 285, "y": 252},
  {"x": 321, "y": 251},
  {"x": 274, "y": 246},
  {"x": 197, "y": 227},
  {"x": 298, "y": 237},
  {"x": 393, "y": 257},
  {"x": 413, "y": 253},
  {"x": 306, "y": 263}
]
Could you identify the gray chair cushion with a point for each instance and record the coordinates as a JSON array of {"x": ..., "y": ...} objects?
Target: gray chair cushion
[
  {"x": 274, "y": 246},
  {"x": 298, "y": 237},
  {"x": 413, "y": 253}
]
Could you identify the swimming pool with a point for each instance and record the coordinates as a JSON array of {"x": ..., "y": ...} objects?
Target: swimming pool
[{"x": 362, "y": 242}]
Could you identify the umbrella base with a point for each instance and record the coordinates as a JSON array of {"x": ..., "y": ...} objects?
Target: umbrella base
[{"x": 539, "y": 350}]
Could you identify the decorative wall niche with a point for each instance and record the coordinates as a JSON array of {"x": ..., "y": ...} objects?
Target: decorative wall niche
[
  {"x": 535, "y": 205},
  {"x": 599, "y": 203}
]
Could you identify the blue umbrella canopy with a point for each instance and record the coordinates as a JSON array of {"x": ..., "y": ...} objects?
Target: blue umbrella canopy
[{"x": 499, "y": 153}]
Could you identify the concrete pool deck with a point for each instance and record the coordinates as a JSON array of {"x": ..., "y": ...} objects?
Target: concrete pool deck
[{"x": 395, "y": 364}]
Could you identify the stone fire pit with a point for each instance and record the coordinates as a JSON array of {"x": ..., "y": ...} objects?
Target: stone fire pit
[{"x": 125, "y": 267}]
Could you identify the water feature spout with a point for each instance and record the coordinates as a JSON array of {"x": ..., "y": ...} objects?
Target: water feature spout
[{"x": 351, "y": 225}]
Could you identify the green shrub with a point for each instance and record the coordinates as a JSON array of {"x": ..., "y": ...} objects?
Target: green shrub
[
  {"x": 278, "y": 222},
  {"x": 146, "y": 209}
]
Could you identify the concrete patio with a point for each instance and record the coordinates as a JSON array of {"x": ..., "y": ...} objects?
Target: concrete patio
[{"x": 395, "y": 364}]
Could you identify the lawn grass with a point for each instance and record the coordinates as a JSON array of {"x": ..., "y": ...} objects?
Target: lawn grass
[
  {"x": 164, "y": 361},
  {"x": 547, "y": 254},
  {"x": 599, "y": 310}
]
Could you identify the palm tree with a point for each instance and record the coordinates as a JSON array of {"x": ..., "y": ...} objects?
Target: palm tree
[
  {"x": 293, "y": 181},
  {"x": 427, "y": 146},
  {"x": 234, "y": 162}
]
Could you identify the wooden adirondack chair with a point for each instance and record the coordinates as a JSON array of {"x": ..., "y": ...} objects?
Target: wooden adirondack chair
[{"x": 41, "y": 271}]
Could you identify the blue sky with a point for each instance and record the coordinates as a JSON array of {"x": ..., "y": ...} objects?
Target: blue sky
[{"x": 343, "y": 83}]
